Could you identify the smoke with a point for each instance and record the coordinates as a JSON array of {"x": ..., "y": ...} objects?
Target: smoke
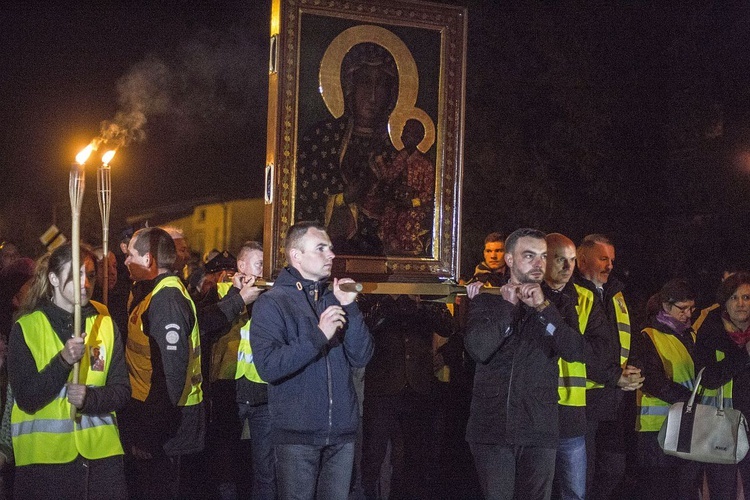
[{"x": 208, "y": 85}]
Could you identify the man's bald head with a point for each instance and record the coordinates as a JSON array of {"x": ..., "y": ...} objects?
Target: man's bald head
[
  {"x": 556, "y": 240},
  {"x": 561, "y": 260}
]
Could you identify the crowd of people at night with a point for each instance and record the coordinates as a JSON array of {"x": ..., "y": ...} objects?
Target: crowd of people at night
[{"x": 200, "y": 379}]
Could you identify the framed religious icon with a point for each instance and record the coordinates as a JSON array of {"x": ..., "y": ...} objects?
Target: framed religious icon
[{"x": 365, "y": 134}]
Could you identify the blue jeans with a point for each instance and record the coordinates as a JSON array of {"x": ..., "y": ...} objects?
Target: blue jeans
[
  {"x": 305, "y": 471},
  {"x": 570, "y": 468},
  {"x": 259, "y": 423},
  {"x": 504, "y": 470}
]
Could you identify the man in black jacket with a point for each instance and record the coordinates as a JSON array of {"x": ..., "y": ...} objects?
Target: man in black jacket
[
  {"x": 165, "y": 419},
  {"x": 608, "y": 370},
  {"x": 570, "y": 470},
  {"x": 516, "y": 340}
]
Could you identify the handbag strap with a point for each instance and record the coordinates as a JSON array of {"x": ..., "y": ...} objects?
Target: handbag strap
[{"x": 720, "y": 398}]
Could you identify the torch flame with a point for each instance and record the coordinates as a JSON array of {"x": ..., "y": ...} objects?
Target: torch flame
[
  {"x": 107, "y": 157},
  {"x": 84, "y": 154}
]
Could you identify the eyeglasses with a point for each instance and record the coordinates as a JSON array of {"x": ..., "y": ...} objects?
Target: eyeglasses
[{"x": 687, "y": 309}]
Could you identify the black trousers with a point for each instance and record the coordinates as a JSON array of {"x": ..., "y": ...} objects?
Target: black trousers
[
  {"x": 406, "y": 420},
  {"x": 80, "y": 479}
]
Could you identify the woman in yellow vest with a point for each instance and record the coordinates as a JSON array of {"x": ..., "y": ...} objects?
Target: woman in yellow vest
[
  {"x": 664, "y": 353},
  {"x": 722, "y": 347},
  {"x": 60, "y": 457}
]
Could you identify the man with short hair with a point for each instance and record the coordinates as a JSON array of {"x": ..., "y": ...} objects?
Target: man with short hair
[
  {"x": 570, "y": 469},
  {"x": 223, "y": 316},
  {"x": 570, "y": 463},
  {"x": 608, "y": 370},
  {"x": 492, "y": 270},
  {"x": 306, "y": 341},
  {"x": 251, "y": 389},
  {"x": 181, "y": 247},
  {"x": 516, "y": 339},
  {"x": 165, "y": 418}
]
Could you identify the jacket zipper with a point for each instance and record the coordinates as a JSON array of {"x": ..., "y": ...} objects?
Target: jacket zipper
[
  {"x": 328, "y": 380},
  {"x": 330, "y": 400}
]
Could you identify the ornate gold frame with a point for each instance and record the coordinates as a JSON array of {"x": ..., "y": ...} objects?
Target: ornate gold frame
[{"x": 348, "y": 22}]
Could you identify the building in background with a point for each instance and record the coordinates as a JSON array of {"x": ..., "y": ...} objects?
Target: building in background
[{"x": 209, "y": 223}]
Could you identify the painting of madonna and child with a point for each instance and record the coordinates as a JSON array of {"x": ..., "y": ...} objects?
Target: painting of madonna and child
[{"x": 366, "y": 150}]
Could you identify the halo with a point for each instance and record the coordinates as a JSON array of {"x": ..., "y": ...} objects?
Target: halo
[{"x": 408, "y": 80}]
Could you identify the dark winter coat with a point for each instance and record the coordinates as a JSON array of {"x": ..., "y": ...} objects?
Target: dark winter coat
[
  {"x": 311, "y": 395},
  {"x": 516, "y": 349}
]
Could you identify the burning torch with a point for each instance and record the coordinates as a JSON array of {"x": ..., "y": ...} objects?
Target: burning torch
[
  {"x": 104, "y": 193},
  {"x": 75, "y": 187}
]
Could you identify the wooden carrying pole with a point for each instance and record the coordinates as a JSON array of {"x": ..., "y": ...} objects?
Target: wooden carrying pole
[
  {"x": 76, "y": 187},
  {"x": 443, "y": 292}
]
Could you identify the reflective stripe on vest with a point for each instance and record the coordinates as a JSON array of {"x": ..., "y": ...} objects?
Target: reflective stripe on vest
[
  {"x": 678, "y": 367},
  {"x": 711, "y": 396},
  {"x": 138, "y": 351},
  {"x": 572, "y": 381},
  {"x": 245, "y": 364},
  {"x": 49, "y": 436}
]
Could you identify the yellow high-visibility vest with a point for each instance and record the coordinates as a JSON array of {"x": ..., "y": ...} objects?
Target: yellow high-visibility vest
[
  {"x": 224, "y": 353},
  {"x": 710, "y": 396},
  {"x": 138, "y": 351},
  {"x": 678, "y": 366},
  {"x": 50, "y": 436},
  {"x": 245, "y": 362},
  {"x": 572, "y": 379},
  {"x": 623, "y": 327},
  {"x": 623, "y": 331}
]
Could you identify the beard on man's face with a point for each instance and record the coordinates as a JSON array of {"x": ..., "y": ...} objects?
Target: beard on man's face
[{"x": 532, "y": 276}]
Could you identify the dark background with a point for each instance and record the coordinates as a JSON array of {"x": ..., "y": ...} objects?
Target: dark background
[{"x": 627, "y": 118}]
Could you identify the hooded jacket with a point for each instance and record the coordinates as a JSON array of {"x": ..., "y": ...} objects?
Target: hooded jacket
[{"x": 311, "y": 397}]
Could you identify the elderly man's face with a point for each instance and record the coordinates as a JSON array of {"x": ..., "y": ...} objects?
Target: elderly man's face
[{"x": 596, "y": 263}]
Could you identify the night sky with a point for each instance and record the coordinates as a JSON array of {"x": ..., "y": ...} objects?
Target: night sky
[
  {"x": 629, "y": 118},
  {"x": 199, "y": 73}
]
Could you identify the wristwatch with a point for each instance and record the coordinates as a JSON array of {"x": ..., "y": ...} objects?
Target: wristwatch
[{"x": 541, "y": 307}]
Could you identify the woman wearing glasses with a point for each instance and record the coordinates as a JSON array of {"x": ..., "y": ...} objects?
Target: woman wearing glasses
[
  {"x": 664, "y": 353},
  {"x": 722, "y": 347}
]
